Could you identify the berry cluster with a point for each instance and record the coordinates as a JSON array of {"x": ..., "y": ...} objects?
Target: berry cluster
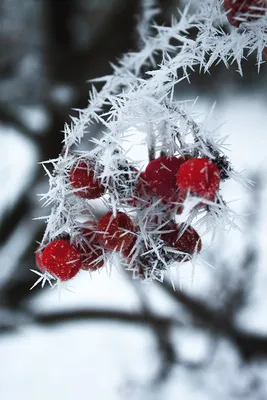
[
  {"x": 239, "y": 11},
  {"x": 155, "y": 195},
  {"x": 146, "y": 215},
  {"x": 63, "y": 259}
]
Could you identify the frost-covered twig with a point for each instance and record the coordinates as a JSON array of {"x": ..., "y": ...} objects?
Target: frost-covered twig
[
  {"x": 149, "y": 10},
  {"x": 186, "y": 162}
]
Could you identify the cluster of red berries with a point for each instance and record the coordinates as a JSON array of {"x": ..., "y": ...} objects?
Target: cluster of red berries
[
  {"x": 169, "y": 179},
  {"x": 239, "y": 11},
  {"x": 172, "y": 178},
  {"x": 64, "y": 259},
  {"x": 155, "y": 195}
]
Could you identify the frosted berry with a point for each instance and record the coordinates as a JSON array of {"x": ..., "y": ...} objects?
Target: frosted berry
[
  {"x": 161, "y": 176},
  {"x": 130, "y": 251},
  {"x": 115, "y": 233},
  {"x": 82, "y": 176},
  {"x": 142, "y": 194},
  {"x": 239, "y": 11},
  {"x": 91, "y": 253},
  {"x": 62, "y": 259},
  {"x": 200, "y": 177},
  {"x": 184, "y": 239}
]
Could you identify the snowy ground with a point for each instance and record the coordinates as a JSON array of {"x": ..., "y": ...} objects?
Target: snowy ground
[{"x": 102, "y": 360}]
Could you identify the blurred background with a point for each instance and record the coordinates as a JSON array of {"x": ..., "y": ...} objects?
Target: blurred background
[{"x": 111, "y": 337}]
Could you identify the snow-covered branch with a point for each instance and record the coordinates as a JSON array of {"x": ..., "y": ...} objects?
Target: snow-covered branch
[{"x": 143, "y": 200}]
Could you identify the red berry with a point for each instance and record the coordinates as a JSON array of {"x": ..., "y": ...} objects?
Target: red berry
[
  {"x": 183, "y": 239},
  {"x": 129, "y": 251},
  {"x": 239, "y": 11},
  {"x": 142, "y": 193},
  {"x": 200, "y": 177},
  {"x": 143, "y": 190},
  {"x": 61, "y": 259},
  {"x": 113, "y": 235},
  {"x": 161, "y": 176},
  {"x": 82, "y": 176}
]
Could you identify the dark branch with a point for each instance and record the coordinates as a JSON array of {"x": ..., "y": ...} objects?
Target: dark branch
[
  {"x": 105, "y": 315},
  {"x": 61, "y": 317},
  {"x": 249, "y": 345}
]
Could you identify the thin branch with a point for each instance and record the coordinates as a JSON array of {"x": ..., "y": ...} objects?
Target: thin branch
[
  {"x": 119, "y": 316},
  {"x": 249, "y": 345},
  {"x": 70, "y": 316}
]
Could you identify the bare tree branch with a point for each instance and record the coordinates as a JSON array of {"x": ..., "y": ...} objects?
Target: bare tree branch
[
  {"x": 61, "y": 317},
  {"x": 249, "y": 345}
]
